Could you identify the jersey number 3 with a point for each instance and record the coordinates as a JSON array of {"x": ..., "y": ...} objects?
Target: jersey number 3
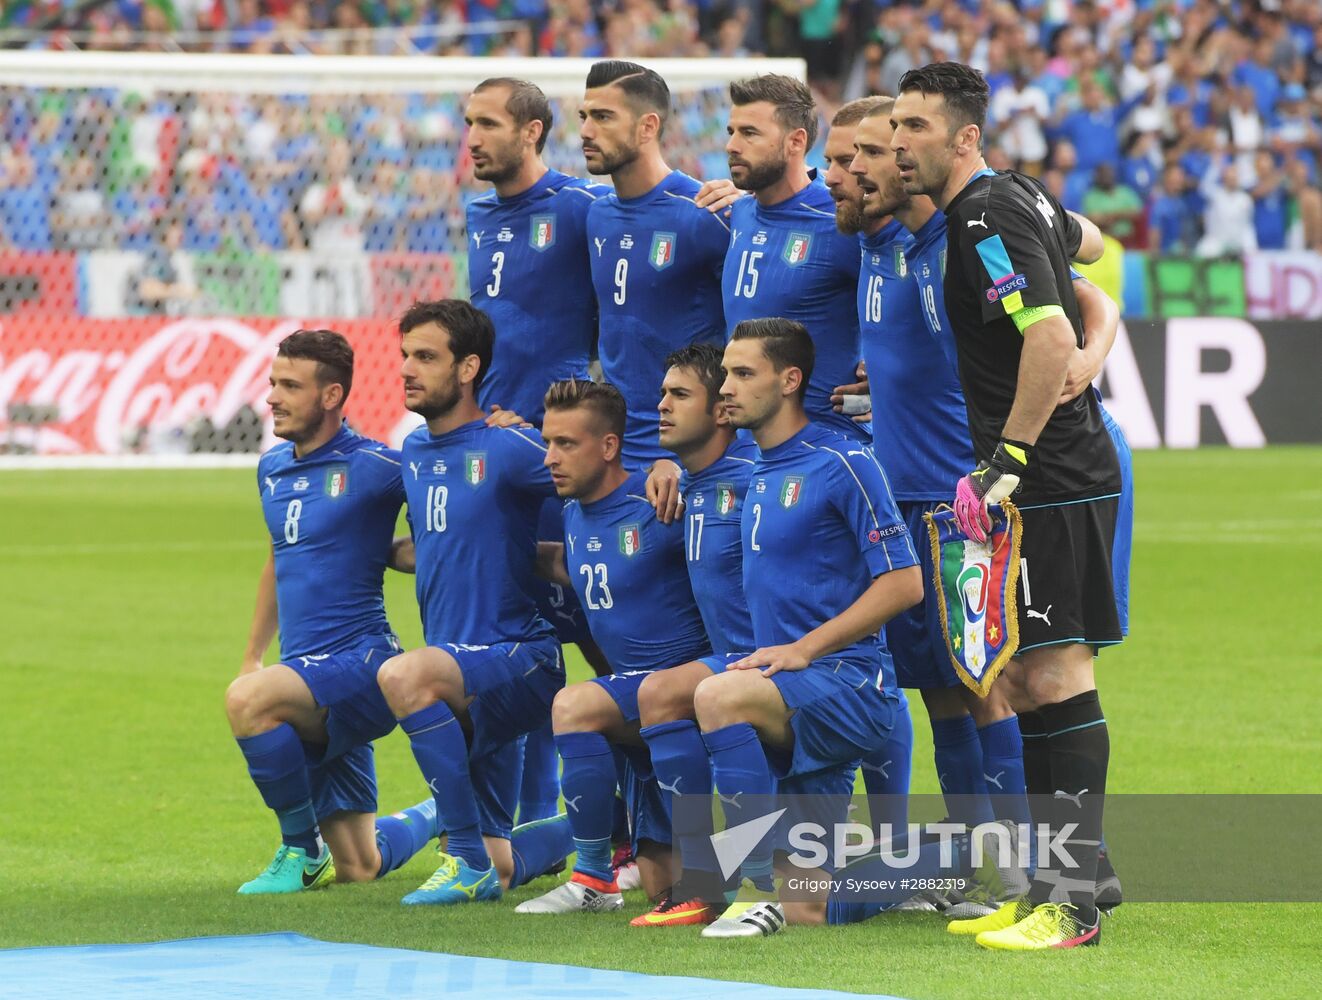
[{"x": 497, "y": 266}]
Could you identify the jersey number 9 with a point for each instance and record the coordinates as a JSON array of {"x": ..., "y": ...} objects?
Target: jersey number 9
[{"x": 621, "y": 277}]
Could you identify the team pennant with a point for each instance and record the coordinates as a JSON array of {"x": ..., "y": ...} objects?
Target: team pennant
[{"x": 975, "y": 586}]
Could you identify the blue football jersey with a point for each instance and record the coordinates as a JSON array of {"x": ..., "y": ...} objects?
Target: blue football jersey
[
  {"x": 331, "y": 516},
  {"x": 628, "y": 569},
  {"x": 790, "y": 260},
  {"x": 713, "y": 505},
  {"x": 919, "y": 427},
  {"x": 528, "y": 271},
  {"x": 656, "y": 268},
  {"x": 474, "y": 496},
  {"x": 819, "y": 525}
]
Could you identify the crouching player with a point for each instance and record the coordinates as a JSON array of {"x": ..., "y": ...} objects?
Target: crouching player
[
  {"x": 629, "y": 570},
  {"x": 305, "y": 724},
  {"x": 827, "y": 561},
  {"x": 491, "y": 666}
]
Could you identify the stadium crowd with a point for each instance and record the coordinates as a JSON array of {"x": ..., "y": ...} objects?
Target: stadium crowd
[{"x": 1184, "y": 126}]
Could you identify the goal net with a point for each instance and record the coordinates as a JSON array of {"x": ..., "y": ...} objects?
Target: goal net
[{"x": 165, "y": 219}]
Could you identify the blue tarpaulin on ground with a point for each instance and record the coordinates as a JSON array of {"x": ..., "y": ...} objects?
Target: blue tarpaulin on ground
[{"x": 293, "y": 967}]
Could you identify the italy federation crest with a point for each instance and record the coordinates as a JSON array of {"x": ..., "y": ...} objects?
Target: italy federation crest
[
  {"x": 976, "y": 585},
  {"x": 543, "y": 232},
  {"x": 725, "y": 498},
  {"x": 901, "y": 262},
  {"x": 796, "y": 248},
  {"x": 631, "y": 539},
  {"x": 337, "y": 481},
  {"x": 475, "y": 467},
  {"x": 662, "y": 254},
  {"x": 790, "y": 491}
]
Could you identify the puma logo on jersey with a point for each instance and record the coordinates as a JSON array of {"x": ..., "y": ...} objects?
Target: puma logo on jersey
[
  {"x": 270, "y": 484},
  {"x": 415, "y": 467},
  {"x": 672, "y": 789},
  {"x": 979, "y": 221},
  {"x": 600, "y": 244},
  {"x": 477, "y": 239},
  {"x": 1041, "y": 614},
  {"x": 1072, "y": 798}
]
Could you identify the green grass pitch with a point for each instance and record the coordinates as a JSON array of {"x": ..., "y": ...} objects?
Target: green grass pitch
[{"x": 129, "y": 817}]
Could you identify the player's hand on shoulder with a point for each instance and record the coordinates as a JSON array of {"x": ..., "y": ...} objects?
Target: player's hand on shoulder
[
  {"x": 853, "y": 399},
  {"x": 663, "y": 490},
  {"x": 1082, "y": 370},
  {"x": 774, "y": 659},
  {"x": 717, "y": 195},
  {"x": 505, "y": 418}
]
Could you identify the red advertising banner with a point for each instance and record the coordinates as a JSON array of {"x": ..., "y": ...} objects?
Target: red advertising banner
[
  {"x": 122, "y": 385},
  {"x": 38, "y": 283}
]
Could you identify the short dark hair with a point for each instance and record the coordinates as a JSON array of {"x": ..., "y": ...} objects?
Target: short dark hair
[
  {"x": 865, "y": 107},
  {"x": 785, "y": 342},
  {"x": 792, "y": 99},
  {"x": 643, "y": 87},
  {"x": 469, "y": 328},
  {"x": 963, "y": 87},
  {"x": 601, "y": 398},
  {"x": 525, "y": 104},
  {"x": 704, "y": 360},
  {"x": 330, "y": 350}
]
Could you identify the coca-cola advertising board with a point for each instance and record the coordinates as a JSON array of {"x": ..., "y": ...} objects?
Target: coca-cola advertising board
[{"x": 119, "y": 385}]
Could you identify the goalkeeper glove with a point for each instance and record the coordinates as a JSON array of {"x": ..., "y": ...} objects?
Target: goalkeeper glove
[{"x": 990, "y": 483}]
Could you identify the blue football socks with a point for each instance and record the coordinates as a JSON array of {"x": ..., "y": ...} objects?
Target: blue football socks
[
  {"x": 588, "y": 786},
  {"x": 278, "y": 768},
  {"x": 958, "y": 757},
  {"x": 539, "y": 846},
  {"x": 404, "y": 834},
  {"x": 442, "y": 755},
  {"x": 741, "y": 771}
]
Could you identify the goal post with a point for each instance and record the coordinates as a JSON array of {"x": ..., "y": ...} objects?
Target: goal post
[{"x": 166, "y": 218}]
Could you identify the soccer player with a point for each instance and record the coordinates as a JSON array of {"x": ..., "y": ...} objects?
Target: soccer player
[
  {"x": 717, "y": 466},
  {"x": 629, "y": 568},
  {"x": 656, "y": 257},
  {"x": 491, "y": 666},
  {"x": 305, "y": 725},
  {"x": 1015, "y": 320},
  {"x": 925, "y": 448},
  {"x": 786, "y": 257},
  {"x": 527, "y": 249},
  {"x": 528, "y": 271},
  {"x": 827, "y": 562}
]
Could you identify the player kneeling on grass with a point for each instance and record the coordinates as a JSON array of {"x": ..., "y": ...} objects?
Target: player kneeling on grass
[
  {"x": 629, "y": 571},
  {"x": 827, "y": 561},
  {"x": 491, "y": 666},
  {"x": 306, "y": 724}
]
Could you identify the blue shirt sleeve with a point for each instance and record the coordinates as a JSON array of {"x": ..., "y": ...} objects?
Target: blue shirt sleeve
[{"x": 862, "y": 497}]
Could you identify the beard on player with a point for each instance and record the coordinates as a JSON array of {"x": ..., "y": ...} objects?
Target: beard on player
[
  {"x": 610, "y": 161},
  {"x": 436, "y": 401},
  {"x": 849, "y": 213},
  {"x": 750, "y": 176},
  {"x": 878, "y": 202},
  {"x": 499, "y": 162}
]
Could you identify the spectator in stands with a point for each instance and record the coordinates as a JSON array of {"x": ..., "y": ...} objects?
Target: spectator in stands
[
  {"x": 1306, "y": 207},
  {"x": 333, "y": 209},
  {"x": 1173, "y": 220},
  {"x": 1246, "y": 129},
  {"x": 1094, "y": 128},
  {"x": 1116, "y": 208},
  {"x": 1228, "y": 217},
  {"x": 1258, "y": 74},
  {"x": 1271, "y": 203},
  {"x": 426, "y": 224},
  {"x": 385, "y": 210},
  {"x": 199, "y": 204},
  {"x": 267, "y": 221},
  {"x": 730, "y": 39},
  {"x": 1142, "y": 164},
  {"x": 1073, "y": 180},
  {"x": 912, "y": 52},
  {"x": 1018, "y": 112},
  {"x": 1295, "y": 129},
  {"x": 165, "y": 284},
  {"x": 24, "y": 206},
  {"x": 80, "y": 220},
  {"x": 137, "y": 206}
]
